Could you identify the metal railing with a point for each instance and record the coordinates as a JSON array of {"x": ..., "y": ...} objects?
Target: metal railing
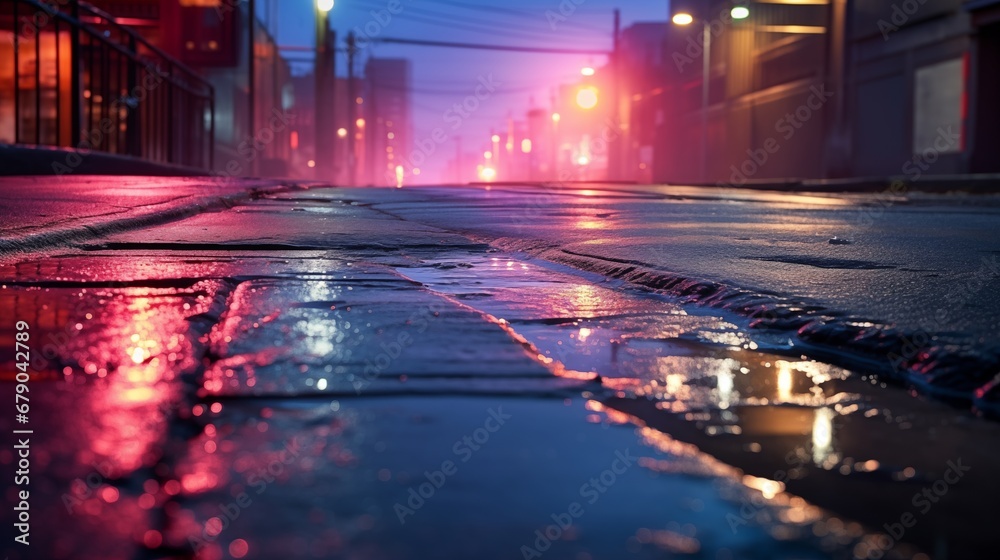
[{"x": 81, "y": 80}]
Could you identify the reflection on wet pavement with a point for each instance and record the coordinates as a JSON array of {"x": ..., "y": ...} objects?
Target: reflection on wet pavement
[
  {"x": 229, "y": 401},
  {"x": 110, "y": 362},
  {"x": 794, "y": 427}
]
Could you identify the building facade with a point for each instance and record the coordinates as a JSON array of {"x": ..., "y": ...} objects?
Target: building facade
[{"x": 826, "y": 89}]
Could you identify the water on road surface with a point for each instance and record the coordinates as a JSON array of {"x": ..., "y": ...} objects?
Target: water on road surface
[{"x": 417, "y": 374}]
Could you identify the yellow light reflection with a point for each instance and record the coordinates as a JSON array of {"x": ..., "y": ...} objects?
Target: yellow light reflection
[
  {"x": 822, "y": 435},
  {"x": 725, "y": 382},
  {"x": 784, "y": 380},
  {"x": 400, "y": 173}
]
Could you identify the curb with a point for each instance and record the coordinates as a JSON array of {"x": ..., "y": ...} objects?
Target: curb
[{"x": 16, "y": 159}]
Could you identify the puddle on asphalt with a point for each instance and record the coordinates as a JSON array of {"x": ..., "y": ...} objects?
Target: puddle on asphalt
[{"x": 789, "y": 424}]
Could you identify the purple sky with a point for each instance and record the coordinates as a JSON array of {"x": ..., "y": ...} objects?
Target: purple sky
[{"x": 443, "y": 77}]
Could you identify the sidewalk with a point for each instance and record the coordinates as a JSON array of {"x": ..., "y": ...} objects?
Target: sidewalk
[
  {"x": 37, "y": 212},
  {"x": 305, "y": 376}
]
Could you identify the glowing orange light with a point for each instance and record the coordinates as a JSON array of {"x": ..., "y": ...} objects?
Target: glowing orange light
[
  {"x": 487, "y": 174},
  {"x": 342, "y": 132},
  {"x": 526, "y": 146},
  {"x": 311, "y": 163},
  {"x": 360, "y": 123},
  {"x": 586, "y": 98}
]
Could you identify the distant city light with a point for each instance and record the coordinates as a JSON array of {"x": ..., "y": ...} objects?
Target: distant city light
[
  {"x": 583, "y": 160},
  {"x": 682, "y": 19},
  {"x": 416, "y": 171},
  {"x": 487, "y": 174},
  {"x": 311, "y": 163},
  {"x": 586, "y": 98},
  {"x": 526, "y": 146},
  {"x": 495, "y": 138},
  {"x": 400, "y": 173},
  {"x": 488, "y": 154},
  {"x": 587, "y": 71},
  {"x": 555, "y": 117},
  {"x": 740, "y": 12},
  {"x": 391, "y": 135},
  {"x": 359, "y": 100},
  {"x": 342, "y": 132},
  {"x": 324, "y": 5},
  {"x": 360, "y": 123}
]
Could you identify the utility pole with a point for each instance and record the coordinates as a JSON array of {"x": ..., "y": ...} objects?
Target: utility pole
[
  {"x": 706, "y": 83},
  {"x": 352, "y": 127},
  {"x": 371, "y": 129},
  {"x": 616, "y": 147}
]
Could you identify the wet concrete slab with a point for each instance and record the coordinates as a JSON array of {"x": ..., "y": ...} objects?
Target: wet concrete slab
[{"x": 446, "y": 477}]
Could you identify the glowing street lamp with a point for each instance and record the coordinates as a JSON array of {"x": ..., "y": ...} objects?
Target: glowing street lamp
[
  {"x": 740, "y": 12},
  {"x": 324, "y": 5},
  {"x": 682, "y": 19},
  {"x": 587, "y": 71},
  {"x": 555, "y": 117}
]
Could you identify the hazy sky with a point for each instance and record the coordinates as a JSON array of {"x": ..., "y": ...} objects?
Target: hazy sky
[{"x": 443, "y": 77}]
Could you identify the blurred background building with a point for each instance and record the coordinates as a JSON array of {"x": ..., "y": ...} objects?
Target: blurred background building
[
  {"x": 717, "y": 92},
  {"x": 82, "y": 66}
]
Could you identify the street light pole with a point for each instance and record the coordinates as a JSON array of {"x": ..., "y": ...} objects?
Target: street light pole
[
  {"x": 682, "y": 18},
  {"x": 706, "y": 68},
  {"x": 324, "y": 106}
]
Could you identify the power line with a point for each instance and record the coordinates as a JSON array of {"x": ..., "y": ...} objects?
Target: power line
[
  {"x": 510, "y": 12},
  {"x": 468, "y": 24},
  {"x": 481, "y": 46}
]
